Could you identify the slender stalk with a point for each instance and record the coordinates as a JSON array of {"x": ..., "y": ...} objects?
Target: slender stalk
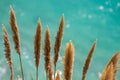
[
  {"x": 46, "y": 77},
  {"x": 31, "y": 76},
  {"x": 36, "y": 73},
  {"x": 21, "y": 67},
  {"x": 54, "y": 71},
  {"x": 12, "y": 74},
  {"x": 58, "y": 41}
]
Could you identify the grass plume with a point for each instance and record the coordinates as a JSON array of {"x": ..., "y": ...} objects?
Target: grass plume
[
  {"x": 47, "y": 56},
  {"x": 88, "y": 60},
  {"x": 7, "y": 50},
  {"x": 68, "y": 61},
  {"x": 58, "y": 43},
  {"x": 14, "y": 29},
  {"x": 114, "y": 61},
  {"x": 108, "y": 73},
  {"x": 16, "y": 38},
  {"x": 37, "y": 46}
]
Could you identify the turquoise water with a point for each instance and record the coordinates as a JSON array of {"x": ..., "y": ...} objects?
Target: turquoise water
[{"x": 85, "y": 21}]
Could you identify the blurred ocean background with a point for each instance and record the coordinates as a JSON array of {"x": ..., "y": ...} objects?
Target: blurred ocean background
[{"x": 85, "y": 21}]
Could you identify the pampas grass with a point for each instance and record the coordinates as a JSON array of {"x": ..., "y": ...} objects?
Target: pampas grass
[
  {"x": 7, "y": 50},
  {"x": 87, "y": 62},
  {"x": 109, "y": 72},
  {"x": 58, "y": 41},
  {"x": 37, "y": 46},
  {"x": 47, "y": 56},
  {"x": 16, "y": 38},
  {"x": 68, "y": 61},
  {"x": 14, "y": 29},
  {"x": 114, "y": 62}
]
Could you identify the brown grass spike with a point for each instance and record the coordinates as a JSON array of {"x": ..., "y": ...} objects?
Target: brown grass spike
[
  {"x": 114, "y": 60},
  {"x": 108, "y": 73},
  {"x": 14, "y": 29},
  {"x": 16, "y": 38},
  {"x": 37, "y": 46},
  {"x": 87, "y": 62},
  {"x": 47, "y": 56},
  {"x": 7, "y": 50},
  {"x": 58, "y": 43},
  {"x": 68, "y": 61}
]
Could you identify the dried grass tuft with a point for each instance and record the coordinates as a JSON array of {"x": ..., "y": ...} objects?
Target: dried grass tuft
[
  {"x": 58, "y": 43},
  {"x": 114, "y": 61},
  {"x": 108, "y": 73},
  {"x": 68, "y": 61},
  {"x": 87, "y": 62},
  {"x": 14, "y": 29},
  {"x": 7, "y": 50},
  {"x": 47, "y": 56},
  {"x": 16, "y": 38},
  {"x": 37, "y": 46}
]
